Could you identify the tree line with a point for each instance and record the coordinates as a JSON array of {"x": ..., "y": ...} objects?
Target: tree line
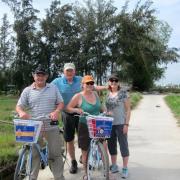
[{"x": 97, "y": 38}]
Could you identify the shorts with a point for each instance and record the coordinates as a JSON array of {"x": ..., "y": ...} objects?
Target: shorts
[
  {"x": 70, "y": 123},
  {"x": 117, "y": 134},
  {"x": 83, "y": 137}
]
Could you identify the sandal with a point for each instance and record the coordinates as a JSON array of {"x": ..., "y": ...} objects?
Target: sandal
[{"x": 85, "y": 177}]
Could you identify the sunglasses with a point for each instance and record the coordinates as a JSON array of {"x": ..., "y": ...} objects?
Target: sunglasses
[
  {"x": 114, "y": 80},
  {"x": 90, "y": 83}
]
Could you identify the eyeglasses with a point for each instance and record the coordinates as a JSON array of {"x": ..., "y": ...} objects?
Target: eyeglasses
[
  {"x": 90, "y": 83},
  {"x": 114, "y": 80}
]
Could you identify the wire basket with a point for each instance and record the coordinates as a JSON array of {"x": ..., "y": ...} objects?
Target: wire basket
[
  {"x": 27, "y": 130},
  {"x": 99, "y": 126}
]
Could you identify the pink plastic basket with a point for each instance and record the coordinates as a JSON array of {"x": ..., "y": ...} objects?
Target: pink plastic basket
[{"x": 99, "y": 126}]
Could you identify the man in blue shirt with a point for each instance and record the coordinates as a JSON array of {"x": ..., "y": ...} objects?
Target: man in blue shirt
[{"x": 70, "y": 84}]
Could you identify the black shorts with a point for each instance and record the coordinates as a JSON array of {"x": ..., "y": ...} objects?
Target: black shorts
[
  {"x": 117, "y": 134},
  {"x": 83, "y": 137},
  {"x": 70, "y": 123}
]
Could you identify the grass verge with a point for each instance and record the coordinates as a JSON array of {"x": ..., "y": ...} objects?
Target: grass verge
[
  {"x": 173, "y": 101},
  {"x": 135, "y": 98},
  {"x": 8, "y": 145}
]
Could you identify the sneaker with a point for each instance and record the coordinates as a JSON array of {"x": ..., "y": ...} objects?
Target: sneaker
[
  {"x": 124, "y": 173},
  {"x": 114, "y": 168},
  {"x": 73, "y": 169}
]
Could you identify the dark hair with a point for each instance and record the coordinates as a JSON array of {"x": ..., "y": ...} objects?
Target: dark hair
[
  {"x": 40, "y": 70},
  {"x": 113, "y": 76},
  {"x": 109, "y": 87}
]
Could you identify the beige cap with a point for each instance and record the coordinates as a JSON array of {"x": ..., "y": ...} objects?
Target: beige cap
[{"x": 69, "y": 66}]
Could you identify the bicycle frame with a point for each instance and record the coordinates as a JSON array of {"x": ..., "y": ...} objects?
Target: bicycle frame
[
  {"x": 95, "y": 154},
  {"x": 24, "y": 164},
  {"x": 97, "y": 158},
  {"x": 97, "y": 161},
  {"x": 43, "y": 153}
]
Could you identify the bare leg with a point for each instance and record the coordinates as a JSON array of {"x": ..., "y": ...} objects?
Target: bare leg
[
  {"x": 84, "y": 159},
  {"x": 114, "y": 159},
  {"x": 125, "y": 161},
  {"x": 71, "y": 149}
]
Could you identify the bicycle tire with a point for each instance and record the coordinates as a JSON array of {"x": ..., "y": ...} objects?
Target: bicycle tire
[
  {"x": 97, "y": 169},
  {"x": 23, "y": 167}
]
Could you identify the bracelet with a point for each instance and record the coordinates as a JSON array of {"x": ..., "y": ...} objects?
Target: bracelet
[{"x": 126, "y": 124}]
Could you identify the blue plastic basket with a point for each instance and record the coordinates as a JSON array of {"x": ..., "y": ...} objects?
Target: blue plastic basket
[
  {"x": 99, "y": 126},
  {"x": 27, "y": 130}
]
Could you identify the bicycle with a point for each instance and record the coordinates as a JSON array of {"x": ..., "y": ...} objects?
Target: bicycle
[
  {"x": 31, "y": 130},
  {"x": 97, "y": 158}
]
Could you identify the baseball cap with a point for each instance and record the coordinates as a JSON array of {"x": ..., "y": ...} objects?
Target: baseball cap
[
  {"x": 69, "y": 66},
  {"x": 40, "y": 70},
  {"x": 113, "y": 76},
  {"x": 87, "y": 78}
]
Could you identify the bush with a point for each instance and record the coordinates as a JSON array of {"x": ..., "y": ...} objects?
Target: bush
[{"x": 135, "y": 98}]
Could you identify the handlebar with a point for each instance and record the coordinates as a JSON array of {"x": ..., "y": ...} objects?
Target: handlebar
[
  {"x": 84, "y": 114},
  {"x": 52, "y": 123},
  {"x": 47, "y": 117},
  {"x": 41, "y": 117}
]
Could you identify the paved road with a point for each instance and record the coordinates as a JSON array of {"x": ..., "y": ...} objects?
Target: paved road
[{"x": 154, "y": 141}]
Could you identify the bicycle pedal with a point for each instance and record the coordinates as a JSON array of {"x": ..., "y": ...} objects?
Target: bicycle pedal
[
  {"x": 42, "y": 165},
  {"x": 91, "y": 168}
]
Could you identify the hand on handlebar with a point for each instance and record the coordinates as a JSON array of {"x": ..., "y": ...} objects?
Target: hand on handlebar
[
  {"x": 24, "y": 115},
  {"x": 79, "y": 111},
  {"x": 54, "y": 115},
  {"x": 54, "y": 118}
]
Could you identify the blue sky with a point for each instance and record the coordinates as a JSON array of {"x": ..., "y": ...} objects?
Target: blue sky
[{"x": 167, "y": 10}]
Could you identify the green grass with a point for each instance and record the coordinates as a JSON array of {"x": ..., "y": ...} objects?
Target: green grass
[
  {"x": 173, "y": 101},
  {"x": 7, "y": 106},
  {"x": 8, "y": 147},
  {"x": 135, "y": 97}
]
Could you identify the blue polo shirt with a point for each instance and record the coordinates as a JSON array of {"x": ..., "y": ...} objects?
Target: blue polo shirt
[{"x": 66, "y": 89}]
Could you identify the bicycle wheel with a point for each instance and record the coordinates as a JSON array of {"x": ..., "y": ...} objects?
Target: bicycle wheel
[
  {"x": 97, "y": 162},
  {"x": 24, "y": 164}
]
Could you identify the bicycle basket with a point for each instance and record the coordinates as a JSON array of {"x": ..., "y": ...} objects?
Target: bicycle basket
[
  {"x": 99, "y": 126},
  {"x": 27, "y": 130}
]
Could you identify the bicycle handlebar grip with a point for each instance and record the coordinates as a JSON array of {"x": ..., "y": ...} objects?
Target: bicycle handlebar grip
[{"x": 53, "y": 123}]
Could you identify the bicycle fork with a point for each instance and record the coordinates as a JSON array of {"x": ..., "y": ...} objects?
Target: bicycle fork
[{"x": 43, "y": 154}]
